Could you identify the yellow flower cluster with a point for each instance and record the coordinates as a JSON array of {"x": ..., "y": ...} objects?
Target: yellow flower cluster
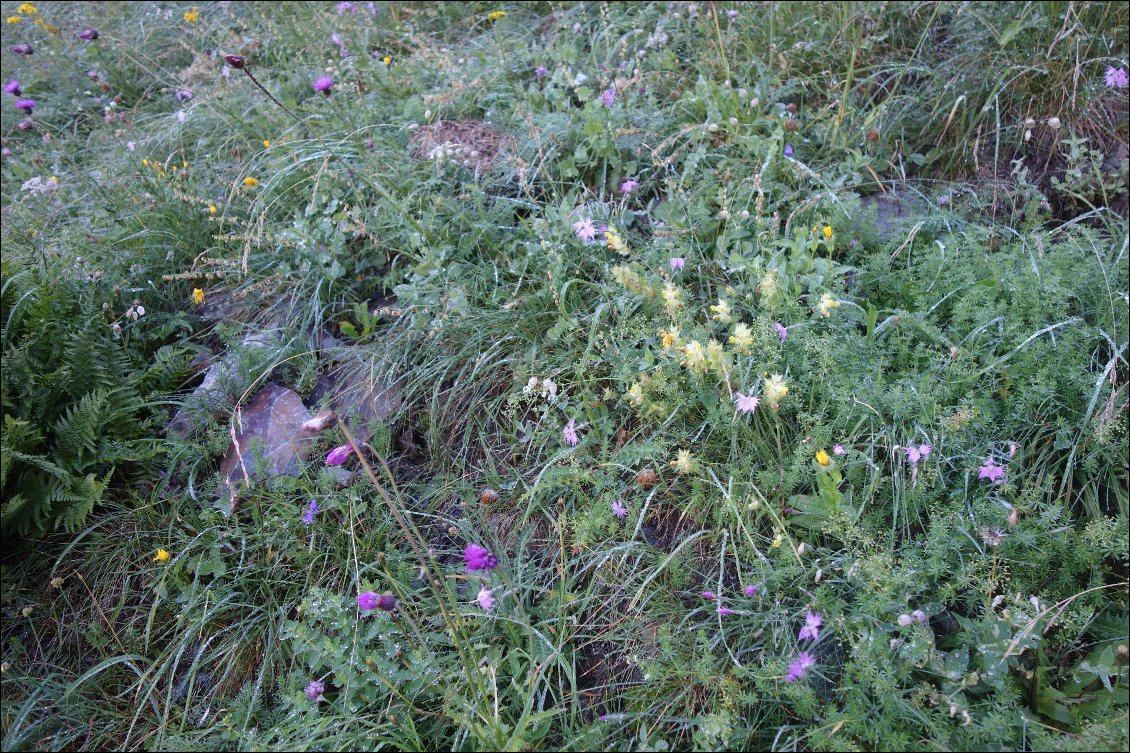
[
  {"x": 27, "y": 9},
  {"x": 775, "y": 390},
  {"x": 161, "y": 171},
  {"x": 250, "y": 182},
  {"x": 192, "y": 15},
  {"x": 827, "y": 303},
  {"x": 197, "y": 296},
  {"x": 495, "y": 15},
  {"x": 742, "y": 339}
]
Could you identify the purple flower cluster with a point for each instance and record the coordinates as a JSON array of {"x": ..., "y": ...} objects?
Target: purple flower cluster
[
  {"x": 479, "y": 558},
  {"x": 324, "y": 84},
  {"x": 311, "y": 511}
]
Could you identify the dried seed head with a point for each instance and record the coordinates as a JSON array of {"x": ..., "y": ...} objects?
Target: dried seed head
[
  {"x": 790, "y": 126},
  {"x": 791, "y": 107},
  {"x": 488, "y": 496},
  {"x": 236, "y": 61},
  {"x": 647, "y": 478}
]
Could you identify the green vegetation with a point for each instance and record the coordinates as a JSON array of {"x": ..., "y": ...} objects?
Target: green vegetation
[{"x": 776, "y": 352}]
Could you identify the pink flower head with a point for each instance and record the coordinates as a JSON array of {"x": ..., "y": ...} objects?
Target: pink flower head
[
  {"x": 13, "y": 87},
  {"x": 913, "y": 455},
  {"x": 27, "y": 105},
  {"x": 708, "y": 595},
  {"x": 731, "y": 14},
  {"x": 23, "y": 49},
  {"x": 131, "y": 145},
  {"x": 367, "y": 601},
  {"x": 811, "y": 629},
  {"x": 1116, "y": 78},
  {"x": 540, "y": 71},
  {"x": 838, "y": 449},
  {"x": 584, "y": 229},
  {"x": 608, "y": 97},
  {"x": 479, "y": 558},
  {"x": 631, "y": 184},
  {"x": 746, "y": 403},
  {"x": 799, "y": 665},
  {"x": 315, "y": 689},
  {"x": 345, "y": 7},
  {"x": 386, "y": 602},
  {"x": 725, "y": 611},
  {"x": 570, "y": 433},
  {"x": 677, "y": 263},
  {"x": 991, "y": 471},
  {"x": 485, "y": 599},
  {"x": 750, "y": 590},
  {"x": 924, "y": 450},
  {"x": 339, "y": 455},
  {"x": 324, "y": 84},
  {"x": 619, "y": 509},
  {"x": 181, "y": 115},
  {"x": 782, "y": 330},
  {"x": 182, "y": 95},
  {"x": 88, "y": 34}
]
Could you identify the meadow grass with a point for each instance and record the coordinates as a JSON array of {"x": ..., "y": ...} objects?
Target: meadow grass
[{"x": 902, "y": 228}]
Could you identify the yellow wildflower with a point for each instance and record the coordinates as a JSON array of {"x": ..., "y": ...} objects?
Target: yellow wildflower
[
  {"x": 722, "y": 311},
  {"x": 774, "y": 390},
  {"x": 197, "y": 296},
  {"x": 615, "y": 243},
  {"x": 777, "y": 540},
  {"x": 266, "y": 143},
  {"x": 670, "y": 337},
  {"x": 827, "y": 303},
  {"x": 828, "y": 231},
  {"x": 387, "y": 60},
  {"x": 495, "y": 15},
  {"x": 716, "y": 357},
  {"x": 14, "y": 19},
  {"x": 212, "y": 209},
  {"x": 823, "y": 458},
  {"x": 683, "y": 462},
  {"x": 742, "y": 339},
  {"x": 671, "y": 297},
  {"x": 27, "y": 9},
  {"x": 635, "y": 395},
  {"x": 768, "y": 288},
  {"x": 145, "y": 163},
  {"x": 191, "y": 15},
  {"x": 694, "y": 356},
  {"x": 250, "y": 182},
  {"x": 162, "y": 556}
]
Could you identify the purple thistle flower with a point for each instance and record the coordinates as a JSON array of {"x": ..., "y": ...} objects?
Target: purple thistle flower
[
  {"x": 315, "y": 689},
  {"x": 369, "y": 144},
  {"x": 746, "y": 403},
  {"x": 991, "y": 471},
  {"x": 386, "y": 602},
  {"x": 608, "y": 97},
  {"x": 23, "y": 49},
  {"x": 924, "y": 450},
  {"x": 570, "y": 433},
  {"x": 725, "y": 611},
  {"x": 677, "y": 263},
  {"x": 5, "y": 152},
  {"x": 838, "y": 449},
  {"x": 344, "y": 7},
  {"x": 628, "y": 186},
  {"x": 750, "y": 590},
  {"x": 731, "y": 14},
  {"x": 782, "y": 330},
  {"x": 485, "y": 599},
  {"x": 584, "y": 229},
  {"x": 324, "y": 84},
  {"x": 88, "y": 34},
  {"x": 619, "y": 509},
  {"x": 479, "y": 558},
  {"x": 13, "y": 87},
  {"x": 1116, "y": 78},
  {"x": 811, "y": 629},
  {"x": 311, "y": 511},
  {"x": 708, "y": 595},
  {"x": 25, "y": 125},
  {"x": 799, "y": 665},
  {"x": 27, "y": 105},
  {"x": 789, "y": 151},
  {"x": 367, "y": 601},
  {"x": 182, "y": 95},
  {"x": 540, "y": 71},
  {"x": 339, "y": 455},
  {"x": 913, "y": 455}
]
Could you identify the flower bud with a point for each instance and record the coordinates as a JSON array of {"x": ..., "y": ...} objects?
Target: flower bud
[{"x": 236, "y": 61}]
